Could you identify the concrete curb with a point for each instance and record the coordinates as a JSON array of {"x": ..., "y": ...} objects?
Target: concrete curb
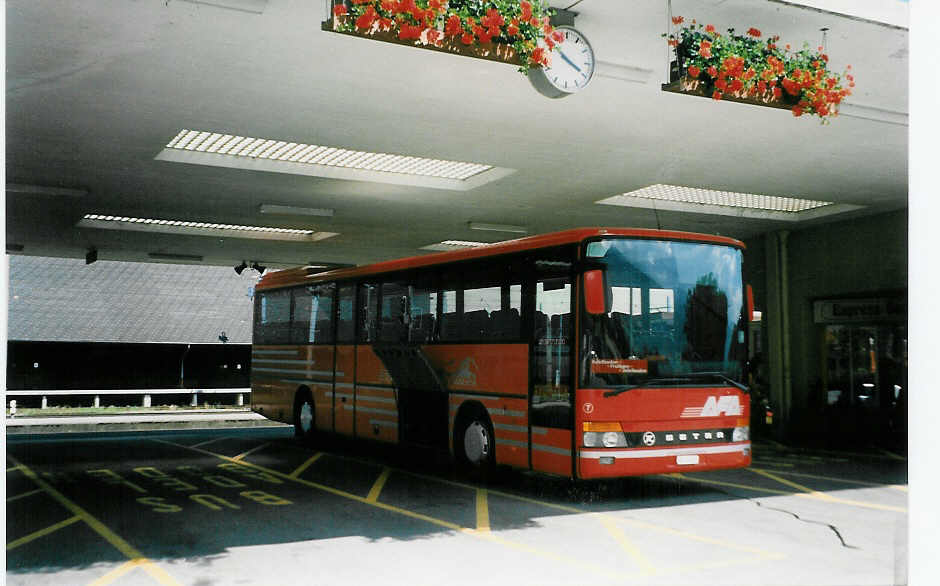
[{"x": 138, "y": 422}]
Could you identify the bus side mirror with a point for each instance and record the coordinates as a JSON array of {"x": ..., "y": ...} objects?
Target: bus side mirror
[
  {"x": 597, "y": 297},
  {"x": 750, "y": 303}
]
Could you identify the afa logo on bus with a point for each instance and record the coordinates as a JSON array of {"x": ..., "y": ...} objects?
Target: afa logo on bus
[{"x": 715, "y": 406}]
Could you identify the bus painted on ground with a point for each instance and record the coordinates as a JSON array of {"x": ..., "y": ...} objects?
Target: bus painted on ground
[{"x": 587, "y": 353}]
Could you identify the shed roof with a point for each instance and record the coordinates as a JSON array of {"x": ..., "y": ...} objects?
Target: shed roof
[{"x": 64, "y": 300}]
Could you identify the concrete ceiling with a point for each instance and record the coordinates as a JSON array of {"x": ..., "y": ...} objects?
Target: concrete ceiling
[{"x": 95, "y": 90}]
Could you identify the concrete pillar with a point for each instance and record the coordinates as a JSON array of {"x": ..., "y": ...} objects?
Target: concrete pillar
[
  {"x": 776, "y": 320},
  {"x": 240, "y": 400},
  {"x": 45, "y": 403},
  {"x": 147, "y": 402},
  {"x": 97, "y": 401},
  {"x": 195, "y": 400}
]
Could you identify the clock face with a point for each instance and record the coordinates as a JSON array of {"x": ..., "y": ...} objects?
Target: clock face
[{"x": 572, "y": 62}]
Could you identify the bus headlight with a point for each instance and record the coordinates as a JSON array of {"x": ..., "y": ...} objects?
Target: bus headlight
[
  {"x": 740, "y": 434},
  {"x": 608, "y": 434}
]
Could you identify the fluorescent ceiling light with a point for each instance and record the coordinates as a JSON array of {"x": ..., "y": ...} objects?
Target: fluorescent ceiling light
[
  {"x": 174, "y": 256},
  {"x": 279, "y": 210},
  {"x": 279, "y": 156},
  {"x": 199, "y": 228},
  {"x": 727, "y": 203},
  {"x": 45, "y": 190},
  {"x": 447, "y": 245},
  {"x": 498, "y": 227}
]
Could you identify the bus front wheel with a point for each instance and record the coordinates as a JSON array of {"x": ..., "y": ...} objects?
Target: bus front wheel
[{"x": 304, "y": 422}]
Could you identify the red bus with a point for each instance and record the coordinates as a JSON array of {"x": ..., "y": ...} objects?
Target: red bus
[{"x": 585, "y": 353}]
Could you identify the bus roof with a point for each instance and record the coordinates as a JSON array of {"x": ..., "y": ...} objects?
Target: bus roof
[{"x": 300, "y": 275}]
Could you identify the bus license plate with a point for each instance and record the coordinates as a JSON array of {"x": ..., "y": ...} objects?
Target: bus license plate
[{"x": 687, "y": 459}]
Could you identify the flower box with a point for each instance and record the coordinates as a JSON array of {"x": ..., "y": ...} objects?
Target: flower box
[
  {"x": 490, "y": 51},
  {"x": 744, "y": 68},
  {"x": 517, "y": 32}
]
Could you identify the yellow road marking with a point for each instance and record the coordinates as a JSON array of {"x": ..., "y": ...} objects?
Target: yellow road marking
[
  {"x": 241, "y": 456},
  {"x": 627, "y": 545},
  {"x": 805, "y": 491},
  {"x": 483, "y": 510},
  {"x": 773, "y": 462},
  {"x": 488, "y": 536},
  {"x": 207, "y": 442},
  {"x": 116, "y": 573},
  {"x": 296, "y": 473},
  {"x": 893, "y": 456},
  {"x": 569, "y": 509},
  {"x": 23, "y": 495},
  {"x": 900, "y": 487},
  {"x": 830, "y": 478},
  {"x": 155, "y": 571},
  {"x": 37, "y": 534},
  {"x": 11, "y": 469},
  {"x": 731, "y": 484},
  {"x": 378, "y": 486}
]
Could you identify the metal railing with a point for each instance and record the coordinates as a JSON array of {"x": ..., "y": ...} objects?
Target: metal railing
[{"x": 147, "y": 394}]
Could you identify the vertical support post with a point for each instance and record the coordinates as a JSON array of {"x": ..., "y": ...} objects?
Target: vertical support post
[
  {"x": 97, "y": 401},
  {"x": 147, "y": 401},
  {"x": 240, "y": 400},
  {"x": 777, "y": 322},
  {"x": 45, "y": 403},
  {"x": 195, "y": 400}
]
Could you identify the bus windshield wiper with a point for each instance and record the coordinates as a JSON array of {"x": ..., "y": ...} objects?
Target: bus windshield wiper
[
  {"x": 646, "y": 383},
  {"x": 725, "y": 378}
]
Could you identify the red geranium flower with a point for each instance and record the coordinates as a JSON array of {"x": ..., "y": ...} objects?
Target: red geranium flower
[
  {"x": 493, "y": 19},
  {"x": 467, "y": 39},
  {"x": 777, "y": 92},
  {"x": 694, "y": 71},
  {"x": 339, "y": 10},
  {"x": 526, "y": 10},
  {"x": 753, "y": 32},
  {"x": 705, "y": 49},
  {"x": 558, "y": 36},
  {"x": 677, "y": 20},
  {"x": 736, "y": 86},
  {"x": 512, "y": 30},
  {"x": 712, "y": 71},
  {"x": 453, "y": 27},
  {"x": 709, "y": 28},
  {"x": 797, "y": 111},
  {"x": 716, "y": 96}
]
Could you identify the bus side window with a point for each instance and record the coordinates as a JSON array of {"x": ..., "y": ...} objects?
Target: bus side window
[
  {"x": 272, "y": 317},
  {"x": 300, "y": 324},
  {"x": 321, "y": 315},
  {"x": 395, "y": 313},
  {"x": 423, "y": 309},
  {"x": 368, "y": 313},
  {"x": 551, "y": 383},
  {"x": 345, "y": 326}
]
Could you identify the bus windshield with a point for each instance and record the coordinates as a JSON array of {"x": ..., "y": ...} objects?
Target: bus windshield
[{"x": 677, "y": 316}]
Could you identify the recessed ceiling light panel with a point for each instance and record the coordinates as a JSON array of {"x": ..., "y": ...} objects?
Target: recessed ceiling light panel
[
  {"x": 707, "y": 201},
  {"x": 206, "y": 148},
  {"x": 199, "y": 228},
  {"x": 448, "y": 245}
]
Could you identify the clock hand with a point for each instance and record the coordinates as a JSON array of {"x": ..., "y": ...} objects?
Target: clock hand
[{"x": 565, "y": 57}]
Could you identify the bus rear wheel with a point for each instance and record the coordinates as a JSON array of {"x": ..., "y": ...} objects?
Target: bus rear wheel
[
  {"x": 304, "y": 421},
  {"x": 474, "y": 443}
]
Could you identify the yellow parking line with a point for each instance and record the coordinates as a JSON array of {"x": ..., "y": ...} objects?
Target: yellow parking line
[
  {"x": 37, "y": 534},
  {"x": 23, "y": 495},
  {"x": 805, "y": 491},
  {"x": 620, "y": 537},
  {"x": 207, "y": 442},
  {"x": 893, "y": 456},
  {"x": 731, "y": 484},
  {"x": 251, "y": 451},
  {"x": 11, "y": 469},
  {"x": 296, "y": 473},
  {"x": 488, "y": 536},
  {"x": 570, "y": 509},
  {"x": 155, "y": 571},
  {"x": 829, "y": 478},
  {"x": 379, "y": 484},
  {"x": 900, "y": 487},
  {"x": 116, "y": 573},
  {"x": 483, "y": 510}
]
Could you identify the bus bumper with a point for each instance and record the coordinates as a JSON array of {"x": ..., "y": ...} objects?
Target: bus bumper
[{"x": 615, "y": 462}]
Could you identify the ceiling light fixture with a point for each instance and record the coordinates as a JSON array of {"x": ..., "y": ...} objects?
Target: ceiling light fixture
[
  {"x": 199, "y": 228},
  {"x": 279, "y": 210},
  {"x": 45, "y": 190},
  {"x": 279, "y": 156},
  {"x": 728, "y": 203},
  {"x": 498, "y": 227},
  {"x": 175, "y": 256},
  {"x": 447, "y": 245}
]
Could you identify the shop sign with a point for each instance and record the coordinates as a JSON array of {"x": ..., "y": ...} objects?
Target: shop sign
[{"x": 837, "y": 311}]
